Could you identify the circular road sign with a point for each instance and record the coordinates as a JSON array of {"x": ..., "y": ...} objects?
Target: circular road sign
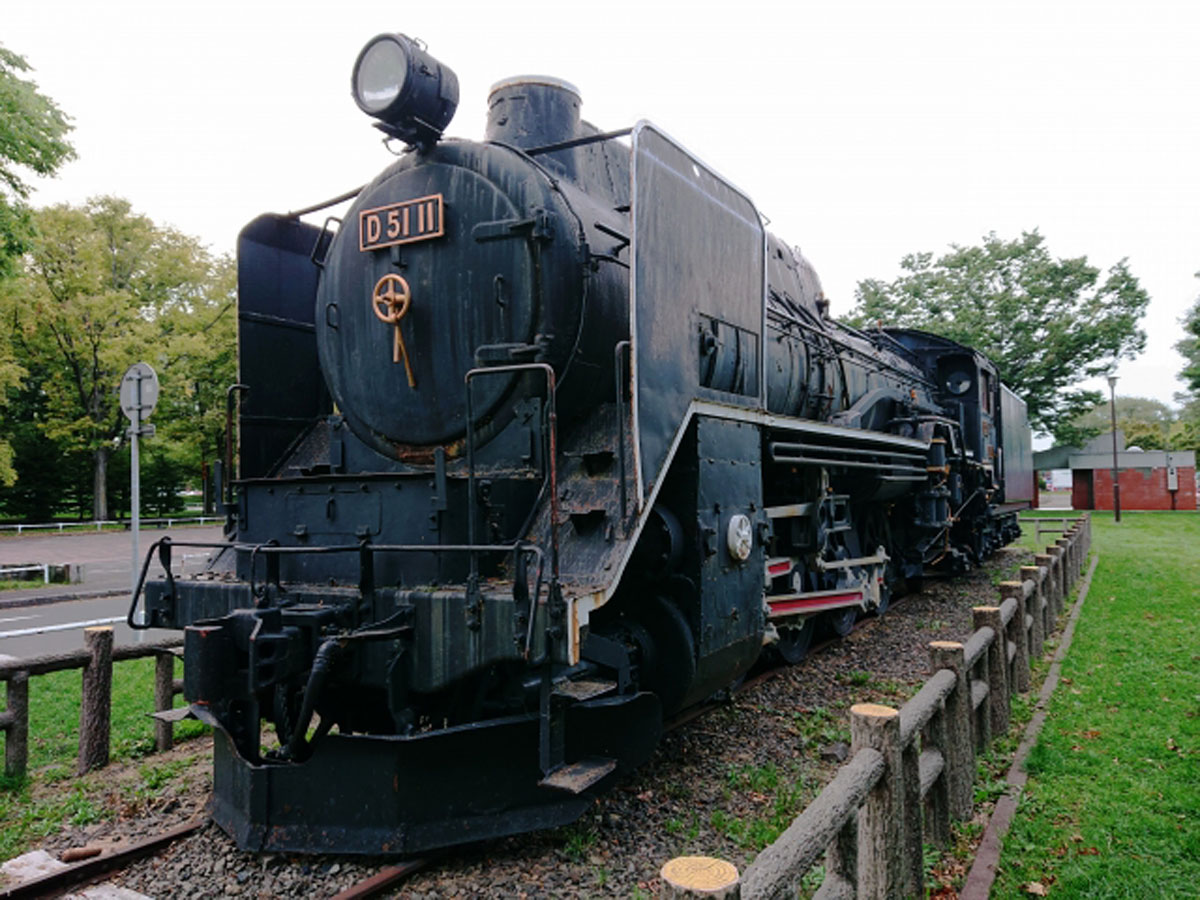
[{"x": 139, "y": 392}]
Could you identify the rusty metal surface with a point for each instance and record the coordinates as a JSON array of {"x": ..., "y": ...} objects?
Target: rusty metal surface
[
  {"x": 575, "y": 778},
  {"x": 382, "y": 880},
  {"x": 593, "y": 537},
  {"x": 584, "y": 690},
  {"x": 56, "y": 883}
]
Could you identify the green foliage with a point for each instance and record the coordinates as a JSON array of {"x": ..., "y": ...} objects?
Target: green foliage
[
  {"x": 101, "y": 288},
  {"x": 581, "y": 837},
  {"x": 32, "y": 139},
  {"x": 1046, "y": 323},
  {"x": 1189, "y": 348},
  {"x": 157, "y": 777},
  {"x": 1146, "y": 423}
]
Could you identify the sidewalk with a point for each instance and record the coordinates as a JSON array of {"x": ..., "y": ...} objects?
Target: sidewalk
[{"x": 54, "y": 593}]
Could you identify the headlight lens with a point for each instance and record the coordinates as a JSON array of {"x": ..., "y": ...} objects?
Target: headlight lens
[{"x": 380, "y": 74}]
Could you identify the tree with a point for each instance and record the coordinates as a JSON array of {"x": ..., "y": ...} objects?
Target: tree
[
  {"x": 1189, "y": 349},
  {"x": 32, "y": 137},
  {"x": 100, "y": 288},
  {"x": 204, "y": 363},
  {"x": 1046, "y": 323},
  {"x": 46, "y": 471},
  {"x": 1146, "y": 422}
]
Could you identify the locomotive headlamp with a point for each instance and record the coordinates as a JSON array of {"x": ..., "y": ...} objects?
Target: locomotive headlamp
[{"x": 398, "y": 82}]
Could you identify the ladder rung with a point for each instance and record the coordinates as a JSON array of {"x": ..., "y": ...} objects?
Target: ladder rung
[{"x": 584, "y": 690}]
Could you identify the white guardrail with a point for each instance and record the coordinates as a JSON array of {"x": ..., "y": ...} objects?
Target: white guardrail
[
  {"x": 99, "y": 525},
  {"x": 44, "y": 568}
]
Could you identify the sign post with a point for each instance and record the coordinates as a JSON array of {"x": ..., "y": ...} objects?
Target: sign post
[{"x": 139, "y": 394}]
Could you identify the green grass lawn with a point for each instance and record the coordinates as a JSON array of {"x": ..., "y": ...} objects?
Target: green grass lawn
[
  {"x": 54, "y": 714},
  {"x": 1112, "y": 808}
]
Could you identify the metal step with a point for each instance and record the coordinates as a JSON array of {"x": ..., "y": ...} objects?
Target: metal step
[
  {"x": 584, "y": 690},
  {"x": 173, "y": 715},
  {"x": 577, "y": 777}
]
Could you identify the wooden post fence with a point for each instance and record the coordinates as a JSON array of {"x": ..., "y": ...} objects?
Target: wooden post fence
[
  {"x": 912, "y": 770},
  {"x": 95, "y": 710}
]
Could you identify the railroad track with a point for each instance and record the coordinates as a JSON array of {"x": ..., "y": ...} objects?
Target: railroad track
[{"x": 104, "y": 863}]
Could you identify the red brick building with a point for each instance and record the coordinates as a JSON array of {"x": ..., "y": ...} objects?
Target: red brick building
[{"x": 1151, "y": 479}]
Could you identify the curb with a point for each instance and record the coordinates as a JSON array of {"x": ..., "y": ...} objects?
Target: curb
[
  {"x": 983, "y": 870},
  {"x": 47, "y": 599}
]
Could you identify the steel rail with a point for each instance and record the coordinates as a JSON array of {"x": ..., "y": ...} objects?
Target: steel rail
[{"x": 55, "y": 884}]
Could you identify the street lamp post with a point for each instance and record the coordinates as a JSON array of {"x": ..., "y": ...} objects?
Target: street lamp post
[{"x": 1116, "y": 475}]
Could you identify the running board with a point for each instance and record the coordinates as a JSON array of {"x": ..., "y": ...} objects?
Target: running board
[
  {"x": 783, "y": 605},
  {"x": 577, "y": 777}
]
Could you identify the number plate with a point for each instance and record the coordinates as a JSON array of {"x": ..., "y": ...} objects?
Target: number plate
[{"x": 401, "y": 223}]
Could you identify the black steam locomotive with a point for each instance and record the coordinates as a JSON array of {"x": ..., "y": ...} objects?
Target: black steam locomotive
[{"x": 549, "y": 439}]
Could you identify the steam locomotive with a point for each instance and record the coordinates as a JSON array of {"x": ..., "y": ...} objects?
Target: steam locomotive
[{"x": 546, "y": 441}]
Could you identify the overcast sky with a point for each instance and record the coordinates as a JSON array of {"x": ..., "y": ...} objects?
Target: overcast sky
[{"x": 863, "y": 130}]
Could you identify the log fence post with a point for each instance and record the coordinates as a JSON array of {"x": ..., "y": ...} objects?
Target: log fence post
[
  {"x": 981, "y": 718},
  {"x": 1050, "y": 584},
  {"x": 16, "y": 726},
  {"x": 934, "y": 736},
  {"x": 912, "y": 857},
  {"x": 1036, "y": 604},
  {"x": 1063, "y": 546},
  {"x": 1016, "y": 591},
  {"x": 958, "y": 751},
  {"x": 881, "y": 818},
  {"x": 1055, "y": 570},
  {"x": 95, "y": 708},
  {"x": 997, "y": 667},
  {"x": 164, "y": 699},
  {"x": 688, "y": 877},
  {"x": 841, "y": 861}
]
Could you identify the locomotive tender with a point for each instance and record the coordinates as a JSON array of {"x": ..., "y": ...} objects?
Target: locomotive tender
[{"x": 547, "y": 441}]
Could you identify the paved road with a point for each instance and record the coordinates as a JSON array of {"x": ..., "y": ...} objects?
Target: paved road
[
  {"x": 91, "y": 546},
  {"x": 105, "y": 559},
  {"x": 66, "y": 621}
]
